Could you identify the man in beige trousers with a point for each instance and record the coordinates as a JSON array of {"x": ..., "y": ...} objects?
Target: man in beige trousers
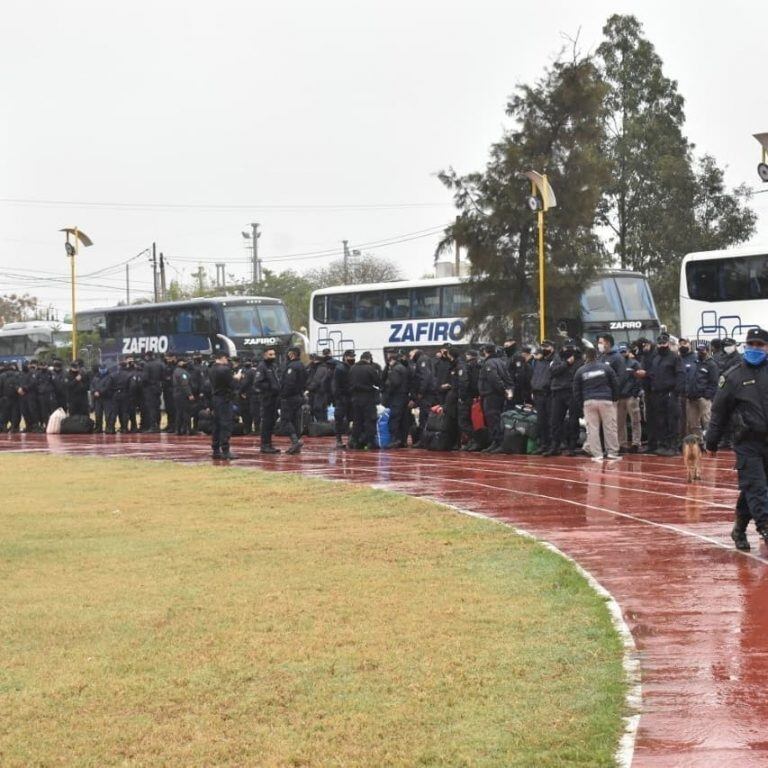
[{"x": 597, "y": 387}]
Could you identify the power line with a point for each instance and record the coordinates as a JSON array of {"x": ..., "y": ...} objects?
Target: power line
[{"x": 221, "y": 207}]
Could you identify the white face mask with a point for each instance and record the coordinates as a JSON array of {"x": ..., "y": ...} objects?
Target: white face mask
[
  {"x": 601, "y": 347},
  {"x": 729, "y": 350}
]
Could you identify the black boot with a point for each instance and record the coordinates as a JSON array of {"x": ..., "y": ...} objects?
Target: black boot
[
  {"x": 228, "y": 455},
  {"x": 269, "y": 449},
  {"x": 739, "y": 536},
  {"x": 295, "y": 447}
]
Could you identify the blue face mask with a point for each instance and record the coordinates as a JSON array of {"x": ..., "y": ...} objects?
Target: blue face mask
[
  {"x": 102, "y": 371},
  {"x": 754, "y": 355}
]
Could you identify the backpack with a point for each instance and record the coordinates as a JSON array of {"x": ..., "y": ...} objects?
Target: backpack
[{"x": 77, "y": 425}]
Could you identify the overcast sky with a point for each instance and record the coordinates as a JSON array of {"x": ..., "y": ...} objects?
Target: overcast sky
[{"x": 322, "y": 121}]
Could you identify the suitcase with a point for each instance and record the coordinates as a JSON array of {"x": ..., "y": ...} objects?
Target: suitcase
[
  {"x": 383, "y": 435},
  {"x": 514, "y": 442},
  {"x": 322, "y": 429},
  {"x": 439, "y": 422},
  {"x": 481, "y": 437},
  {"x": 77, "y": 425}
]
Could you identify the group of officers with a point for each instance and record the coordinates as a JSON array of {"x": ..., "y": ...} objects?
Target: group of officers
[{"x": 639, "y": 397}]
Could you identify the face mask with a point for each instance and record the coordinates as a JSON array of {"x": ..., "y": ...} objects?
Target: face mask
[
  {"x": 601, "y": 347},
  {"x": 663, "y": 350},
  {"x": 102, "y": 371},
  {"x": 729, "y": 350},
  {"x": 684, "y": 350},
  {"x": 702, "y": 355},
  {"x": 754, "y": 355}
]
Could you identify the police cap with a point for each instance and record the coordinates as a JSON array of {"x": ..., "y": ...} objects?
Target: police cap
[
  {"x": 366, "y": 356},
  {"x": 729, "y": 342},
  {"x": 662, "y": 338},
  {"x": 757, "y": 334}
]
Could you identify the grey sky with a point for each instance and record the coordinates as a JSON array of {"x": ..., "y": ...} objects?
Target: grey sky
[{"x": 316, "y": 107}]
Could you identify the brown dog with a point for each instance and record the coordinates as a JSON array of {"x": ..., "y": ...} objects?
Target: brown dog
[{"x": 692, "y": 457}]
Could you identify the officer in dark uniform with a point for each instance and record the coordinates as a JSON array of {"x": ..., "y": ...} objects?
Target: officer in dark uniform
[
  {"x": 135, "y": 397},
  {"x": 10, "y": 415},
  {"x": 27, "y": 392},
  {"x": 742, "y": 401},
  {"x": 364, "y": 383},
  {"x": 223, "y": 385},
  {"x": 667, "y": 384},
  {"x": 120, "y": 382},
  {"x": 293, "y": 384},
  {"x": 342, "y": 396},
  {"x": 540, "y": 392},
  {"x": 103, "y": 393},
  {"x": 182, "y": 398},
  {"x": 395, "y": 397},
  {"x": 468, "y": 391},
  {"x": 46, "y": 394},
  {"x": 152, "y": 387},
  {"x": 422, "y": 386},
  {"x": 494, "y": 386},
  {"x": 562, "y": 370},
  {"x": 267, "y": 383},
  {"x": 77, "y": 391}
]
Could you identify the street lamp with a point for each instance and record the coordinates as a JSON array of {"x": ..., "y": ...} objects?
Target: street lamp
[
  {"x": 541, "y": 200},
  {"x": 762, "y": 168},
  {"x": 78, "y": 237}
]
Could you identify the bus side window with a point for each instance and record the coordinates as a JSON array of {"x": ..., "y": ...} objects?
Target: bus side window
[
  {"x": 368, "y": 307},
  {"x": 341, "y": 308},
  {"x": 318, "y": 309},
  {"x": 115, "y": 325},
  {"x": 397, "y": 304},
  {"x": 184, "y": 321},
  {"x": 425, "y": 303}
]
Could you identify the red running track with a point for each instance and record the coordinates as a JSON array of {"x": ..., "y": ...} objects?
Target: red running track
[{"x": 697, "y": 608}]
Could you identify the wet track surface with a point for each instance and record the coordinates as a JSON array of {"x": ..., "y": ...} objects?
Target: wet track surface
[{"x": 697, "y": 609}]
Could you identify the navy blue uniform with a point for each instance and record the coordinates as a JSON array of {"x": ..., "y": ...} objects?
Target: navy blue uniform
[{"x": 223, "y": 386}]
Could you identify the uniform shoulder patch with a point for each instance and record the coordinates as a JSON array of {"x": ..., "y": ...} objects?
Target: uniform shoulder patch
[{"x": 721, "y": 382}]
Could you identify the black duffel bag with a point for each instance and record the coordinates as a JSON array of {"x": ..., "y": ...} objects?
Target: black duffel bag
[
  {"x": 322, "y": 429},
  {"x": 437, "y": 440},
  {"x": 77, "y": 424},
  {"x": 439, "y": 422}
]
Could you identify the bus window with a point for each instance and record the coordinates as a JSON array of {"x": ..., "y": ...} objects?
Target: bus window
[
  {"x": 636, "y": 298},
  {"x": 425, "y": 302},
  {"x": 456, "y": 301},
  {"x": 368, "y": 306},
  {"x": 242, "y": 321},
  {"x": 115, "y": 325},
  {"x": 397, "y": 304},
  {"x": 318, "y": 309},
  {"x": 701, "y": 277},
  {"x": 140, "y": 324},
  {"x": 165, "y": 323},
  {"x": 600, "y": 302},
  {"x": 274, "y": 319},
  {"x": 341, "y": 308}
]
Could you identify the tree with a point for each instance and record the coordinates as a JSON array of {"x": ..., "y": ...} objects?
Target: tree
[
  {"x": 15, "y": 307},
  {"x": 559, "y": 129},
  {"x": 360, "y": 269},
  {"x": 653, "y": 205}
]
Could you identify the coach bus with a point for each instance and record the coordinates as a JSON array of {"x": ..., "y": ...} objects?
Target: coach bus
[
  {"x": 427, "y": 313},
  {"x": 33, "y": 339},
  {"x": 238, "y": 325},
  {"x": 723, "y": 293}
]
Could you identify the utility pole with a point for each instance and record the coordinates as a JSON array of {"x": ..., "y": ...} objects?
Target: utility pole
[
  {"x": 457, "y": 268},
  {"x": 346, "y": 261},
  {"x": 201, "y": 277},
  {"x": 153, "y": 259},
  {"x": 255, "y": 235},
  {"x": 127, "y": 286},
  {"x": 163, "y": 295},
  {"x": 221, "y": 275}
]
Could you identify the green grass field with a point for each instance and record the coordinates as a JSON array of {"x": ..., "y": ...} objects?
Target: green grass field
[{"x": 164, "y": 615}]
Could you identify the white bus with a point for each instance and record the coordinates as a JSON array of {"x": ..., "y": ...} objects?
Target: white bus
[
  {"x": 723, "y": 293},
  {"x": 30, "y": 339},
  {"x": 428, "y": 313}
]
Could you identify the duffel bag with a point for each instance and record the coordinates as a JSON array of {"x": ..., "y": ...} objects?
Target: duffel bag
[
  {"x": 514, "y": 442},
  {"x": 322, "y": 429},
  {"x": 77, "y": 425},
  {"x": 437, "y": 441},
  {"x": 439, "y": 422},
  {"x": 481, "y": 437},
  {"x": 54, "y": 421},
  {"x": 383, "y": 435}
]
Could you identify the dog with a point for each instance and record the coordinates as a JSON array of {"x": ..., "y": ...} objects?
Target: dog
[{"x": 692, "y": 457}]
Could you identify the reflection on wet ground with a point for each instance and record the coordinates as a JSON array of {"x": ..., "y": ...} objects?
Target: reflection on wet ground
[{"x": 698, "y": 610}]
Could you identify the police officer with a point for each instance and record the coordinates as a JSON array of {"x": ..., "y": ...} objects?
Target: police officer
[
  {"x": 182, "y": 398},
  {"x": 46, "y": 394},
  {"x": 152, "y": 388},
  {"x": 628, "y": 406},
  {"x": 135, "y": 403},
  {"x": 701, "y": 389},
  {"x": 27, "y": 393},
  {"x": 169, "y": 401},
  {"x": 395, "y": 397},
  {"x": 223, "y": 385},
  {"x": 244, "y": 395},
  {"x": 540, "y": 389},
  {"x": 667, "y": 383},
  {"x": 293, "y": 384},
  {"x": 317, "y": 386},
  {"x": 742, "y": 400},
  {"x": 77, "y": 390},
  {"x": 342, "y": 396},
  {"x": 468, "y": 391},
  {"x": 10, "y": 415},
  {"x": 495, "y": 387},
  {"x": 364, "y": 383},
  {"x": 422, "y": 385},
  {"x": 267, "y": 383},
  {"x": 102, "y": 393},
  {"x": 562, "y": 403}
]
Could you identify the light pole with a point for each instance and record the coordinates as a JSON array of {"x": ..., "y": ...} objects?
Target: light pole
[
  {"x": 254, "y": 236},
  {"x": 78, "y": 236},
  {"x": 762, "y": 168},
  {"x": 541, "y": 200}
]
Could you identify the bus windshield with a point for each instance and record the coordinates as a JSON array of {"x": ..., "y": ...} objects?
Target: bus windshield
[
  {"x": 252, "y": 320},
  {"x": 636, "y": 298},
  {"x": 617, "y": 298}
]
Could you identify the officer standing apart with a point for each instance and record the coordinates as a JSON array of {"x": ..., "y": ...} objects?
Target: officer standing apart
[
  {"x": 293, "y": 384},
  {"x": 267, "y": 383},
  {"x": 742, "y": 401},
  {"x": 364, "y": 382},
  {"x": 223, "y": 385}
]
